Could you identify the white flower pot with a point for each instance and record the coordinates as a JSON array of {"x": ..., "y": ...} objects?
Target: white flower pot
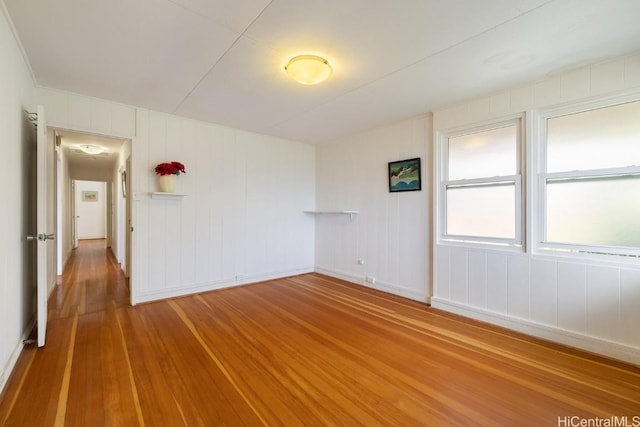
[{"x": 167, "y": 183}]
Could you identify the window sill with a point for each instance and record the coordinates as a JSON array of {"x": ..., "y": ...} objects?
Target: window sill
[
  {"x": 585, "y": 256},
  {"x": 482, "y": 245}
]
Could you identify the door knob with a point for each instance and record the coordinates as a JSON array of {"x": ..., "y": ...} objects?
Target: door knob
[{"x": 42, "y": 237}]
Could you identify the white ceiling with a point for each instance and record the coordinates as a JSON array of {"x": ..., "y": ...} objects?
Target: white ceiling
[
  {"x": 222, "y": 61},
  {"x": 70, "y": 142}
]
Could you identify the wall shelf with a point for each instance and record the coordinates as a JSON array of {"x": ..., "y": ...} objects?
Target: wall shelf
[
  {"x": 350, "y": 213},
  {"x": 166, "y": 196}
]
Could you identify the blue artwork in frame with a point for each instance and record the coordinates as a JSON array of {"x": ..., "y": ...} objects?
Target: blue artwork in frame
[{"x": 404, "y": 175}]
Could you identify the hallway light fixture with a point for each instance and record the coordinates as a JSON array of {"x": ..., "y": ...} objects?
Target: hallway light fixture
[
  {"x": 91, "y": 149},
  {"x": 308, "y": 69}
]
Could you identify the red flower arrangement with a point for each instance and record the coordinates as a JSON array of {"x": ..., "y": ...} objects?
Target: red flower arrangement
[{"x": 173, "y": 168}]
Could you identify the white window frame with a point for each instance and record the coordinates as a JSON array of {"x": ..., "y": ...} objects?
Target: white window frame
[
  {"x": 542, "y": 246},
  {"x": 442, "y": 183}
]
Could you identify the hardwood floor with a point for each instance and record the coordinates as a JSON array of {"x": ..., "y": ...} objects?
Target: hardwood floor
[{"x": 303, "y": 351}]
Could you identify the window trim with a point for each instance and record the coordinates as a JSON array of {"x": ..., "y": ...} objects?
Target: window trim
[
  {"x": 542, "y": 246},
  {"x": 514, "y": 180},
  {"x": 517, "y": 179}
]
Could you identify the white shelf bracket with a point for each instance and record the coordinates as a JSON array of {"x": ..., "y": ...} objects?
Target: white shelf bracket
[{"x": 350, "y": 213}]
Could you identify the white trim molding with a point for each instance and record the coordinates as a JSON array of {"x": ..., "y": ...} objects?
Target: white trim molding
[
  {"x": 212, "y": 286},
  {"x": 380, "y": 286},
  {"x": 611, "y": 349},
  {"x": 8, "y": 368}
]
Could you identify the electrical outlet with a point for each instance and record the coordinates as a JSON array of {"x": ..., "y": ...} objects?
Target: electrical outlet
[
  {"x": 360, "y": 262},
  {"x": 371, "y": 279}
]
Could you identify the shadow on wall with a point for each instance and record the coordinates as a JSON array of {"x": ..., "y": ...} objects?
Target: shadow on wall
[{"x": 29, "y": 193}]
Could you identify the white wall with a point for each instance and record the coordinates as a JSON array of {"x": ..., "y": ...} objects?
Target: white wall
[
  {"x": 241, "y": 218},
  {"x": 70, "y": 111},
  {"x": 81, "y": 113},
  {"x": 88, "y": 173},
  {"x": 391, "y": 234},
  {"x": 92, "y": 221},
  {"x": 592, "y": 304},
  {"x": 86, "y": 114},
  {"x": 18, "y": 155},
  {"x": 64, "y": 238}
]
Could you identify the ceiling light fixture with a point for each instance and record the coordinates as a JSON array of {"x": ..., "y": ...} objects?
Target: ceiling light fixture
[
  {"x": 91, "y": 149},
  {"x": 308, "y": 69}
]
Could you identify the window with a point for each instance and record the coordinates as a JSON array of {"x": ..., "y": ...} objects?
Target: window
[
  {"x": 480, "y": 185},
  {"x": 591, "y": 180}
]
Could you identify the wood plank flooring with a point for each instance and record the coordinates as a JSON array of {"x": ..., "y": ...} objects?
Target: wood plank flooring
[{"x": 302, "y": 351}]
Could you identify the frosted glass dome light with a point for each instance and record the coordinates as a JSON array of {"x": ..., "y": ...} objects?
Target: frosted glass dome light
[
  {"x": 91, "y": 149},
  {"x": 308, "y": 69}
]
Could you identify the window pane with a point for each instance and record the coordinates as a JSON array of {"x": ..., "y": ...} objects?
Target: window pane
[
  {"x": 595, "y": 212},
  {"x": 484, "y": 154},
  {"x": 597, "y": 139},
  {"x": 482, "y": 211}
]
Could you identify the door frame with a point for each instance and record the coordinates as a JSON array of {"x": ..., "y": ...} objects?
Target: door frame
[
  {"x": 128, "y": 223},
  {"x": 73, "y": 229},
  {"x": 74, "y": 215},
  {"x": 58, "y": 204}
]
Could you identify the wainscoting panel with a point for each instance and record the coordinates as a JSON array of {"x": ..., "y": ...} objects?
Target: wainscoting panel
[
  {"x": 241, "y": 217},
  {"x": 589, "y": 306}
]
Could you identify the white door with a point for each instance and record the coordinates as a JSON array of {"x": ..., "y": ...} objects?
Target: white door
[{"x": 42, "y": 237}]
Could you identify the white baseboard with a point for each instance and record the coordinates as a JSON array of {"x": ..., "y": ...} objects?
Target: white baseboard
[
  {"x": 7, "y": 369},
  {"x": 585, "y": 342},
  {"x": 212, "y": 286},
  {"x": 381, "y": 286},
  {"x": 13, "y": 357}
]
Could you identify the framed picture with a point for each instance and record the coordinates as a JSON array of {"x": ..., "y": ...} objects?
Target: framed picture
[
  {"x": 404, "y": 175},
  {"x": 89, "y": 196},
  {"x": 123, "y": 178}
]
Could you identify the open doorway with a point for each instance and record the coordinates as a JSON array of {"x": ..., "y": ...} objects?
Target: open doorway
[
  {"x": 91, "y": 210},
  {"x": 91, "y": 200}
]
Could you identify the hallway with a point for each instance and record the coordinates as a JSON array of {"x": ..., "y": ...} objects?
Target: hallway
[
  {"x": 88, "y": 293},
  {"x": 92, "y": 281}
]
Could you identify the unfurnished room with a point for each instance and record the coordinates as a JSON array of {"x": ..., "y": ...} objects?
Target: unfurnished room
[{"x": 320, "y": 213}]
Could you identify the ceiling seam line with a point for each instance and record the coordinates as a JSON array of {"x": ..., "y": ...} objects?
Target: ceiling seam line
[
  {"x": 220, "y": 58},
  {"x": 275, "y": 125}
]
